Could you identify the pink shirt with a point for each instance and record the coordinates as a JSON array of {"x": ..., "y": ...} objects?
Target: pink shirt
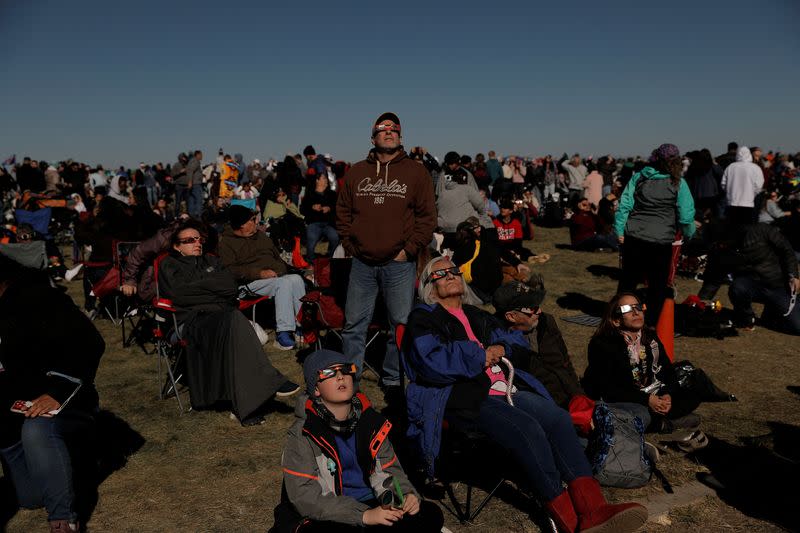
[{"x": 497, "y": 379}]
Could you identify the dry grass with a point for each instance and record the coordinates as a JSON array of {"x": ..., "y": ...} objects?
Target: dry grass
[{"x": 203, "y": 472}]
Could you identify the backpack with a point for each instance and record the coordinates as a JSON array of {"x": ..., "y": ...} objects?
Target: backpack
[{"x": 616, "y": 448}]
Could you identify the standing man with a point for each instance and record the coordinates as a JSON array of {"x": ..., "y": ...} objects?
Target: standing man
[
  {"x": 180, "y": 179},
  {"x": 576, "y": 173},
  {"x": 385, "y": 215},
  {"x": 194, "y": 185}
]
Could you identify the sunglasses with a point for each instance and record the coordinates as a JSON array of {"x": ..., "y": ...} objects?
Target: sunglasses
[
  {"x": 530, "y": 311},
  {"x": 627, "y": 308},
  {"x": 192, "y": 240},
  {"x": 436, "y": 275},
  {"x": 348, "y": 369}
]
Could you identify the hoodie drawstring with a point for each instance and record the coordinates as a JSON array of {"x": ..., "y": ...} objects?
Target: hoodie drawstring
[{"x": 378, "y": 170}]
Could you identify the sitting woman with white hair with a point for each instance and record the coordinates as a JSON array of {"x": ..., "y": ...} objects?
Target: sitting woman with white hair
[{"x": 451, "y": 353}]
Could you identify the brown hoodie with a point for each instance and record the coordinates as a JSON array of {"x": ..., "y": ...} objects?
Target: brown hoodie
[{"x": 385, "y": 208}]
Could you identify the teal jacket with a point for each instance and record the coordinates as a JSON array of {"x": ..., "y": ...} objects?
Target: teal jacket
[{"x": 652, "y": 208}]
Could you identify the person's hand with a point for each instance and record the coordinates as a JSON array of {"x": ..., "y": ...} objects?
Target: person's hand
[
  {"x": 524, "y": 269},
  {"x": 494, "y": 353},
  {"x": 267, "y": 274},
  {"x": 659, "y": 404},
  {"x": 621, "y": 239},
  {"x": 326, "y": 209},
  {"x": 794, "y": 284},
  {"x": 42, "y": 406},
  {"x": 316, "y": 207},
  {"x": 411, "y": 504},
  {"x": 378, "y": 516},
  {"x": 401, "y": 256},
  {"x": 128, "y": 289}
]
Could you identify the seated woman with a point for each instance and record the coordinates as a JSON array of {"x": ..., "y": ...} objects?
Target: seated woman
[
  {"x": 42, "y": 333},
  {"x": 627, "y": 362},
  {"x": 451, "y": 354},
  {"x": 225, "y": 359},
  {"x": 586, "y": 229}
]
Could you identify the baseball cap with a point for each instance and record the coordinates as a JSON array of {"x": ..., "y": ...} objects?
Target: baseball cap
[{"x": 517, "y": 295}]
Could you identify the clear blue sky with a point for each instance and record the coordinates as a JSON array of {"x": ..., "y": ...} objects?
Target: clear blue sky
[{"x": 119, "y": 82}]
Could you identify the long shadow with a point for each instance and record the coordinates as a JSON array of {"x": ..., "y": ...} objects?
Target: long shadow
[
  {"x": 754, "y": 478},
  {"x": 102, "y": 454},
  {"x": 581, "y": 302},
  {"x": 602, "y": 270}
]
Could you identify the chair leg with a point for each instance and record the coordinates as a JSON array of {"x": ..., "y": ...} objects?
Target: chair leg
[{"x": 466, "y": 514}]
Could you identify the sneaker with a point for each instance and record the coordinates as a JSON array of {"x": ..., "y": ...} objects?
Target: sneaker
[
  {"x": 287, "y": 389},
  {"x": 284, "y": 340},
  {"x": 63, "y": 526},
  {"x": 254, "y": 420},
  {"x": 72, "y": 272}
]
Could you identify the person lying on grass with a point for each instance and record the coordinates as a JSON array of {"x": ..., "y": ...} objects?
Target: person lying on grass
[{"x": 340, "y": 472}]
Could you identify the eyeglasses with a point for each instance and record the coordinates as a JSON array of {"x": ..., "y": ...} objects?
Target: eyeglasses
[
  {"x": 627, "y": 308},
  {"x": 192, "y": 240},
  {"x": 530, "y": 311},
  {"x": 348, "y": 369},
  {"x": 385, "y": 127},
  {"x": 436, "y": 275}
]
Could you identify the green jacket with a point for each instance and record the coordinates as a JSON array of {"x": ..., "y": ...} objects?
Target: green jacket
[
  {"x": 652, "y": 208},
  {"x": 246, "y": 257}
]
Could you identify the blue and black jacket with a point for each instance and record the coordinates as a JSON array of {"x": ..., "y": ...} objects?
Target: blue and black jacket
[{"x": 438, "y": 357}]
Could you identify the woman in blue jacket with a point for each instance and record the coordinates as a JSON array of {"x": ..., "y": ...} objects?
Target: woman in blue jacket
[
  {"x": 451, "y": 353},
  {"x": 655, "y": 204}
]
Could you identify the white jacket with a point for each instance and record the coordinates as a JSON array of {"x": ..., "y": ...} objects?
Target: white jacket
[{"x": 742, "y": 180}]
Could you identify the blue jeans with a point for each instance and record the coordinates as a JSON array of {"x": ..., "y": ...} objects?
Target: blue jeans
[
  {"x": 314, "y": 232},
  {"x": 193, "y": 196},
  {"x": 598, "y": 241},
  {"x": 395, "y": 280},
  {"x": 40, "y": 465},
  {"x": 538, "y": 435},
  {"x": 745, "y": 289},
  {"x": 286, "y": 291}
]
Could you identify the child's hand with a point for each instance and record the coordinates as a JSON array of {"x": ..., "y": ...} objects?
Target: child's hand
[
  {"x": 378, "y": 516},
  {"x": 411, "y": 504}
]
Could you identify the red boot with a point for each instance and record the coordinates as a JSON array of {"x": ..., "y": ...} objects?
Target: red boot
[
  {"x": 595, "y": 515},
  {"x": 562, "y": 512}
]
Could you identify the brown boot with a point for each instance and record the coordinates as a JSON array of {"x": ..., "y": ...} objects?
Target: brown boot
[
  {"x": 562, "y": 512},
  {"x": 595, "y": 515}
]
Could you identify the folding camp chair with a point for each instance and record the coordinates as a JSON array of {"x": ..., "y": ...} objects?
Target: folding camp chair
[{"x": 170, "y": 346}]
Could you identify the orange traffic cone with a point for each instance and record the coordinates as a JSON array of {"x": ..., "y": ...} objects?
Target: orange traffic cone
[
  {"x": 665, "y": 329},
  {"x": 297, "y": 257}
]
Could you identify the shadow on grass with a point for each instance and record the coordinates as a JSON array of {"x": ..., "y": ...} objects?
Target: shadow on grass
[
  {"x": 757, "y": 478},
  {"x": 603, "y": 270},
  {"x": 96, "y": 459},
  {"x": 582, "y": 303}
]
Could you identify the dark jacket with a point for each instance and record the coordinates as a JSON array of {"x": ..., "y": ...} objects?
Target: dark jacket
[
  {"x": 246, "y": 257},
  {"x": 485, "y": 271},
  {"x": 41, "y": 330},
  {"x": 139, "y": 264},
  {"x": 385, "y": 208},
  {"x": 327, "y": 198},
  {"x": 549, "y": 361},
  {"x": 766, "y": 255},
  {"x": 439, "y": 358},
  {"x": 609, "y": 375},
  {"x": 195, "y": 284}
]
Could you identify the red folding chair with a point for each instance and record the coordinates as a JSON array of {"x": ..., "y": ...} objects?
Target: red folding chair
[{"x": 170, "y": 346}]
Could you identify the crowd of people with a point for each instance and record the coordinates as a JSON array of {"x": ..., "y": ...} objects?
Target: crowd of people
[{"x": 439, "y": 241}]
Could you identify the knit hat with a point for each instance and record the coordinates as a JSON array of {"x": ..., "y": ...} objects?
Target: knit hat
[
  {"x": 317, "y": 361},
  {"x": 451, "y": 157},
  {"x": 239, "y": 215},
  {"x": 516, "y": 295},
  {"x": 309, "y": 150},
  {"x": 666, "y": 151}
]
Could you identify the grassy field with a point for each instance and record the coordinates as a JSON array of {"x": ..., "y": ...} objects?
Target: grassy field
[{"x": 201, "y": 471}]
